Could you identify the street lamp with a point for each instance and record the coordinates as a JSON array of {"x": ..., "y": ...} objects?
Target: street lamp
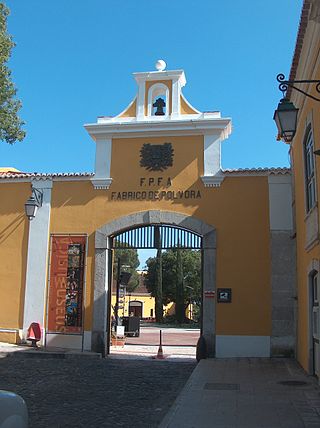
[
  {"x": 123, "y": 279},
  {"x": 286, "y": 114},
  {"x": 286, "y": 120},
  {"x": 33, "y": 203}
]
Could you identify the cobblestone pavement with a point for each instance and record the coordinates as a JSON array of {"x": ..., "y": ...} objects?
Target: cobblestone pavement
[{"x": 80, "y": 392}]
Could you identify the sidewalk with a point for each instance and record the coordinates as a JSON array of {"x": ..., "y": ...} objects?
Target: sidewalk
[
  {"x": 247, "y": 393},
  {"x": 8, "y": 350},
  {"x": 221, "y": 393}
]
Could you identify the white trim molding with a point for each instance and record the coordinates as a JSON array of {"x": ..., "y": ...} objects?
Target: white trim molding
[
  {"x": 37, "y": 257},
  {"x": 67, "y": 341},
  {"x": 242, "y": 346},
  {"x": 101, "y": 183},
  {"x": 213, "y": 180},
  {"x": 194, "y": 125}
]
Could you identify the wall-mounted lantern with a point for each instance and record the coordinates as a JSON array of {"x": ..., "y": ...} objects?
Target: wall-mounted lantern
[
  {"x": 286, "y": 114},
  {"x": 33, "y": 203}
]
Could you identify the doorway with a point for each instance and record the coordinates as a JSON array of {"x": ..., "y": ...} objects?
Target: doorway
[
  {"x": 103, "y": 268},
  {"x": 315, "y": 324},
  {"x": 135, "y": 309},
  {"x": 162, "y": 296}
]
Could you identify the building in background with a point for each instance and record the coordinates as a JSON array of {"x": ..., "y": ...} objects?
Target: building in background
[{"x": 138, "y": 302}]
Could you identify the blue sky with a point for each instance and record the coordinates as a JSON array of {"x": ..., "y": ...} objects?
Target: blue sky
[{"x": 74, "y": 61}]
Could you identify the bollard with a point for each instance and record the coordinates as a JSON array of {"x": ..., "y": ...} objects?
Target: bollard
[
  {"x": 34, "y": 333},
  {"x": 160, "y": 355}
]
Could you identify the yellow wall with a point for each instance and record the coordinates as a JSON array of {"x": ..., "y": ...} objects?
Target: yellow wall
[
  {"x": 308, "y": 67},
  {"x": 13, "y": 255},
  {"x": 304, "y": 257},
  {"x": 147, "y": 304},
  {"x": 185, "y": 107},
  {"x": 131, "y": 110},
  {"x": 238, "y": 210}
]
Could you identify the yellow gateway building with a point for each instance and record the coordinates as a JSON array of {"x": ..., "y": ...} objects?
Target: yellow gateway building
[{"x": 158, "y": 181}]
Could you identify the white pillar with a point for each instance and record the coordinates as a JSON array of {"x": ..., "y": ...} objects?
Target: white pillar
[
  {"x": 175, "y": 98},
  {"x": 212, "y": 154},
  {"x": 102, "y": 179},
  {"x": 140, "y": 112},
  {"x": 37, "y": 260}
]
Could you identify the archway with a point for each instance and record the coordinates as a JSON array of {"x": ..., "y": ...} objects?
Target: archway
[{"x": 102, "y": 280}]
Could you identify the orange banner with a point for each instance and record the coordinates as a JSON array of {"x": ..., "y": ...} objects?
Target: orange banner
[{"x": 65, "y": 303}]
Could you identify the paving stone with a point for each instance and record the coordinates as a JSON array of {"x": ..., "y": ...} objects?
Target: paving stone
[{"x": 67, "y": 393}]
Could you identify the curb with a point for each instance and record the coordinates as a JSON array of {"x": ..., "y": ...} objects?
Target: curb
[{"x": 57, "y": 355}]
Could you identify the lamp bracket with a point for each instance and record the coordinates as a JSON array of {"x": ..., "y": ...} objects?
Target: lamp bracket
[
  {"x": 38, "y": 196},
  {"x": 285, "y": 84}
]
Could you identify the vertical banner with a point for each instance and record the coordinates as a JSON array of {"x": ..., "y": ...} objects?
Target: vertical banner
[{"x": 65, "y": 303}]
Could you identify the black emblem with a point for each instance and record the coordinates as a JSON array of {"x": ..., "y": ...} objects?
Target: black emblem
[{"x": 156, "y": 157}]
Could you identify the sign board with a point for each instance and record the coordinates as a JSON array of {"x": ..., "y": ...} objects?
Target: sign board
[
  {"x": 65, "y": 300},
  {"x": 120, "y": 330},
  {"x": 210, "y": 293},
  {"x": 224, "y": 295}
]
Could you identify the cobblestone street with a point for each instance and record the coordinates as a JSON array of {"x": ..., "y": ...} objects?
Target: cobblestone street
[{"x": 86, "y": 392}]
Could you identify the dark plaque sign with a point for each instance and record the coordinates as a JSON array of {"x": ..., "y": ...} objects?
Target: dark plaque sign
[
  {"x": 224, "y": 295},
  {"x": 156, "y": 157}
]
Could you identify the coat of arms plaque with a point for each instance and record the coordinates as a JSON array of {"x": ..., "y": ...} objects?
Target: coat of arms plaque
[{"x": 156, "y": 157}]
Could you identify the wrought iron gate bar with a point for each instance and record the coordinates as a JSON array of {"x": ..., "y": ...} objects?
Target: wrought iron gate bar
[{"x": 157, "y": 236}]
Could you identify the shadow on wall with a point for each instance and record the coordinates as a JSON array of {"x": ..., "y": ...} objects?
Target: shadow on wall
[{"x": 11, "y": 227}]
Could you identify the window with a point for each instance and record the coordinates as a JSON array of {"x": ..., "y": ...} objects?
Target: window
[{"x": 309, "y": 169}]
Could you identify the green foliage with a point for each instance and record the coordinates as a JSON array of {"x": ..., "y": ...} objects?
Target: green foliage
[
  {"x": 128, "y": 257},
  {"x": 180, "y": 308},
  {"x": 10, "y": 123},
  {"x": 179, "y": 267},
  {"x": 158, "y": 288}
]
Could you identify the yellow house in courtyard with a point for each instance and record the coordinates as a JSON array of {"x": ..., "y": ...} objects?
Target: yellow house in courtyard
[
  {"x": 138, "y": 303},
  {"x": 157, "y": 171}
]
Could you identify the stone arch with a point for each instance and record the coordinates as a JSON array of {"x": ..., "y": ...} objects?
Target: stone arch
[{"x": 102, "y": 267}]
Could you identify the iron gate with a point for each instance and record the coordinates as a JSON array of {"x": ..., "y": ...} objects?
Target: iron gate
[{"x": 157, "y": 236}]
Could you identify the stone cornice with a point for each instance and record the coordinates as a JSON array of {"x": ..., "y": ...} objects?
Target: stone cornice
[{"x": 145, "y": 128}]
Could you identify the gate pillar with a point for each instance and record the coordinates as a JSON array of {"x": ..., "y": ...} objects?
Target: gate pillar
[
  {"x": 100, "y": 296},
  {"x": 209, "y": 289}
]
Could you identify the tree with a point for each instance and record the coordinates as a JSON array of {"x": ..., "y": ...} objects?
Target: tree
[
  {"x": 158, "y": 287},
  {"x": 180, "y": 310},
  {"x": 10, "y": 123},
  {"x": 128, "y": 257},
  {"x": 186, "y": 273}
]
